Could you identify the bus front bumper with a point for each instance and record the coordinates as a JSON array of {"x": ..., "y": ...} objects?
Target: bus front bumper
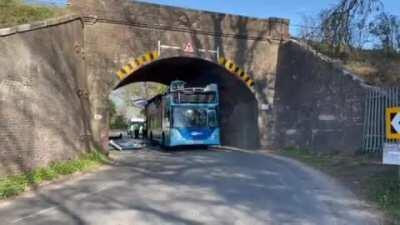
[{"x": 177, "y": 139}]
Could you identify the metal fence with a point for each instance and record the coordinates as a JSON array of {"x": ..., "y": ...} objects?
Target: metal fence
[{"x": 376, "y": 102}]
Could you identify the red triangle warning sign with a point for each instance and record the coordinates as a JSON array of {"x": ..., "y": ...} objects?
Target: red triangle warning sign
[{"x": 188, "y": 48}]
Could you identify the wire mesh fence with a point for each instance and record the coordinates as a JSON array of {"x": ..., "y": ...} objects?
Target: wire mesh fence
[{"x": 376, "y": 102}]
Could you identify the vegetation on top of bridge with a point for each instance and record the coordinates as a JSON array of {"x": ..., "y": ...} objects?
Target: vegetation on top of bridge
[
  {"x": 364, "y": 174},
  {"x": 14, "y": 185},
  {"x": 361, "y": 34},
  {"x": 14, "y": 12}
]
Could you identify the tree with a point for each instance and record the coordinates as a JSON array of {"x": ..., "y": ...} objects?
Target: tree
[
  {"x": 387, "y": 29},
  {"x": 141, "y": 90},
  {"x": 343, "y": 22},
  {"x": 126, "y": 96},
  {"x": 310, "y": 29},
  {"x": 119, "y": 122}
]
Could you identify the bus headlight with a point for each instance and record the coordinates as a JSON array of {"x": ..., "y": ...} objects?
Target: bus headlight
[
  {"x": 176, "y": 136},
  {"x": 215, "y": 135}
]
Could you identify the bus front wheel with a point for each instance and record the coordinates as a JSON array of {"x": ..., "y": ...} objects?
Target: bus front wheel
[{"x": 163, "y": 140}]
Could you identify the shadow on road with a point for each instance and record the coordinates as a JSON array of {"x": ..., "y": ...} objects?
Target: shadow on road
[{"x": 195, "y": 187}]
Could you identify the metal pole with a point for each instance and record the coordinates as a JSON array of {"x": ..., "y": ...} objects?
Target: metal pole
[
  {"x": 387, "y": 104},
  {"x": 369, "y": 108},
  {"x": 159, "y": 48},
  {"x": 375, "y": 120},
  {"x": 380, "y": 119},
  {"x": 365, "y": 133},
  {"x": 397, "y": 104},
  {"x": 146, "y": 93}
]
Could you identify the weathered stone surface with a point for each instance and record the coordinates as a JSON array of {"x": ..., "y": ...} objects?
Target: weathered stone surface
[
  {"x": 41, "y": 115},
  {"x": 24, "y": 27},
  {"x": 315, "y": 97},
  {"x": 165, "y": 17},
  {"x": 118, "y": 31},
  {"x": 7, "y": 31}
]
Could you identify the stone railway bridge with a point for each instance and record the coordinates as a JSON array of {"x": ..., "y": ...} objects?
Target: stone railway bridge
[
  {"x": 276, "y": 92},
  {"x": 143, "y": 42}
]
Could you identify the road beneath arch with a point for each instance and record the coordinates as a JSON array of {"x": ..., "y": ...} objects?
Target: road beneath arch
[{"x": 192, "y": 187}]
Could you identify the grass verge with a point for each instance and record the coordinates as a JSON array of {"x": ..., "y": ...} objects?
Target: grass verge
[
  {"x": 13, "y": 12},
  {"x": 364, "y": 174},
  {"x": 385, "y": 190},
  {"x": 14, "y": 185}
]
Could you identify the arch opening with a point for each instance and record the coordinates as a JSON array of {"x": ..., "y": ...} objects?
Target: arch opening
[{"x": 238, "y": 104}]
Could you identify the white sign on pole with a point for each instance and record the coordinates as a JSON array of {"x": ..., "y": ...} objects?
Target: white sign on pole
[{"x": 391, "y": 154}]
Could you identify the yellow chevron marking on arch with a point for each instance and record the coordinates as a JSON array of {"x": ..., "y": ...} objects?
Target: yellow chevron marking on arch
[
  {"x": 237, "y": 71},
  {"x": 136, "y": 63}
]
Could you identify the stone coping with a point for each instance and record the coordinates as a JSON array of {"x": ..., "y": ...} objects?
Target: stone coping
[
  {"x": 336, "y": 63},
  {"x": 38, "y": 25}
]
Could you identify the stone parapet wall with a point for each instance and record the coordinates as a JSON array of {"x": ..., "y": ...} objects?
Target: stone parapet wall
[
  {"x": 318, "y": 104},
  {"x": 173, "y": 18}
]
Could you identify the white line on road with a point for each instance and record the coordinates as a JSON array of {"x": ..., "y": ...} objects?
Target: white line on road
[
  {"x": 40, "y": 212},
  {"x": 46, "y": 210}
]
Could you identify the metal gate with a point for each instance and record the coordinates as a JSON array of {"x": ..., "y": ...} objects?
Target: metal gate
[{"x": 376, "y": 102}]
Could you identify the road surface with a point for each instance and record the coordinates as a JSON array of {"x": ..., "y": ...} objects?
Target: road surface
[{"x": 192, "y": 187}]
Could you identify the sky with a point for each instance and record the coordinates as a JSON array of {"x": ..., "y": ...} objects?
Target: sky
[
  {"x": 294, "y": 10},
  {"x": 290, "y": 9}
]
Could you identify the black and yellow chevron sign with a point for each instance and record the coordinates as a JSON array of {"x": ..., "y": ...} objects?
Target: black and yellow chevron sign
[
  {"x": 393, "y": 123},
  {"x": 234, "y": 69},
  {"x": 136, "y": 64}
]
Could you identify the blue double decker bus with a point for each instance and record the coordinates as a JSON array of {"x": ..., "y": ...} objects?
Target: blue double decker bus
[{"x": 184, "y": 116}]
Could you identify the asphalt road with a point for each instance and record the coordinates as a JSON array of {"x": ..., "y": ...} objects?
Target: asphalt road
[{"x": 192, "y": 187}]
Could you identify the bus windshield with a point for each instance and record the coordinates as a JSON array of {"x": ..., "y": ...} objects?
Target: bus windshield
[
  {"x": 197, "y": 97},
  {"x": 186, "y": 117}
]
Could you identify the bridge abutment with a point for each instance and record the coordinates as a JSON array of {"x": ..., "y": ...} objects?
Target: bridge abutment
[{"x": 43, "y": 109}]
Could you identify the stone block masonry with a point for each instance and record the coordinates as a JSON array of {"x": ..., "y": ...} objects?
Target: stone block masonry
[
  {"x": 318, "y": 105},
  {"x": 42, "y": 118}
]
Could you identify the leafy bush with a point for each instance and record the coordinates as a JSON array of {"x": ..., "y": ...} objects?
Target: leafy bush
[{"x": 119, "y": 122}]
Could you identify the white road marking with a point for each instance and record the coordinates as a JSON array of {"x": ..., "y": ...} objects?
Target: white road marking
[
  {"x": 46, "y": 210},
  {"x": 40, "y": 212}
]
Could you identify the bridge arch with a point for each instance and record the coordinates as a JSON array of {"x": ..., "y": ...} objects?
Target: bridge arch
[
  {"x": 239, "y": 105},
  {"x": 137, "y": 63}
]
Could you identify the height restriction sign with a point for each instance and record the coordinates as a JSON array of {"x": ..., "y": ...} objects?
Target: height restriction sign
[{"x": 393, "y": 123}]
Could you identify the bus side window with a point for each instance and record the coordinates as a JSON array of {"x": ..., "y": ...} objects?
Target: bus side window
[
  {"x": 167, "y": 121},
  {"x": 166, "y": 113}
]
